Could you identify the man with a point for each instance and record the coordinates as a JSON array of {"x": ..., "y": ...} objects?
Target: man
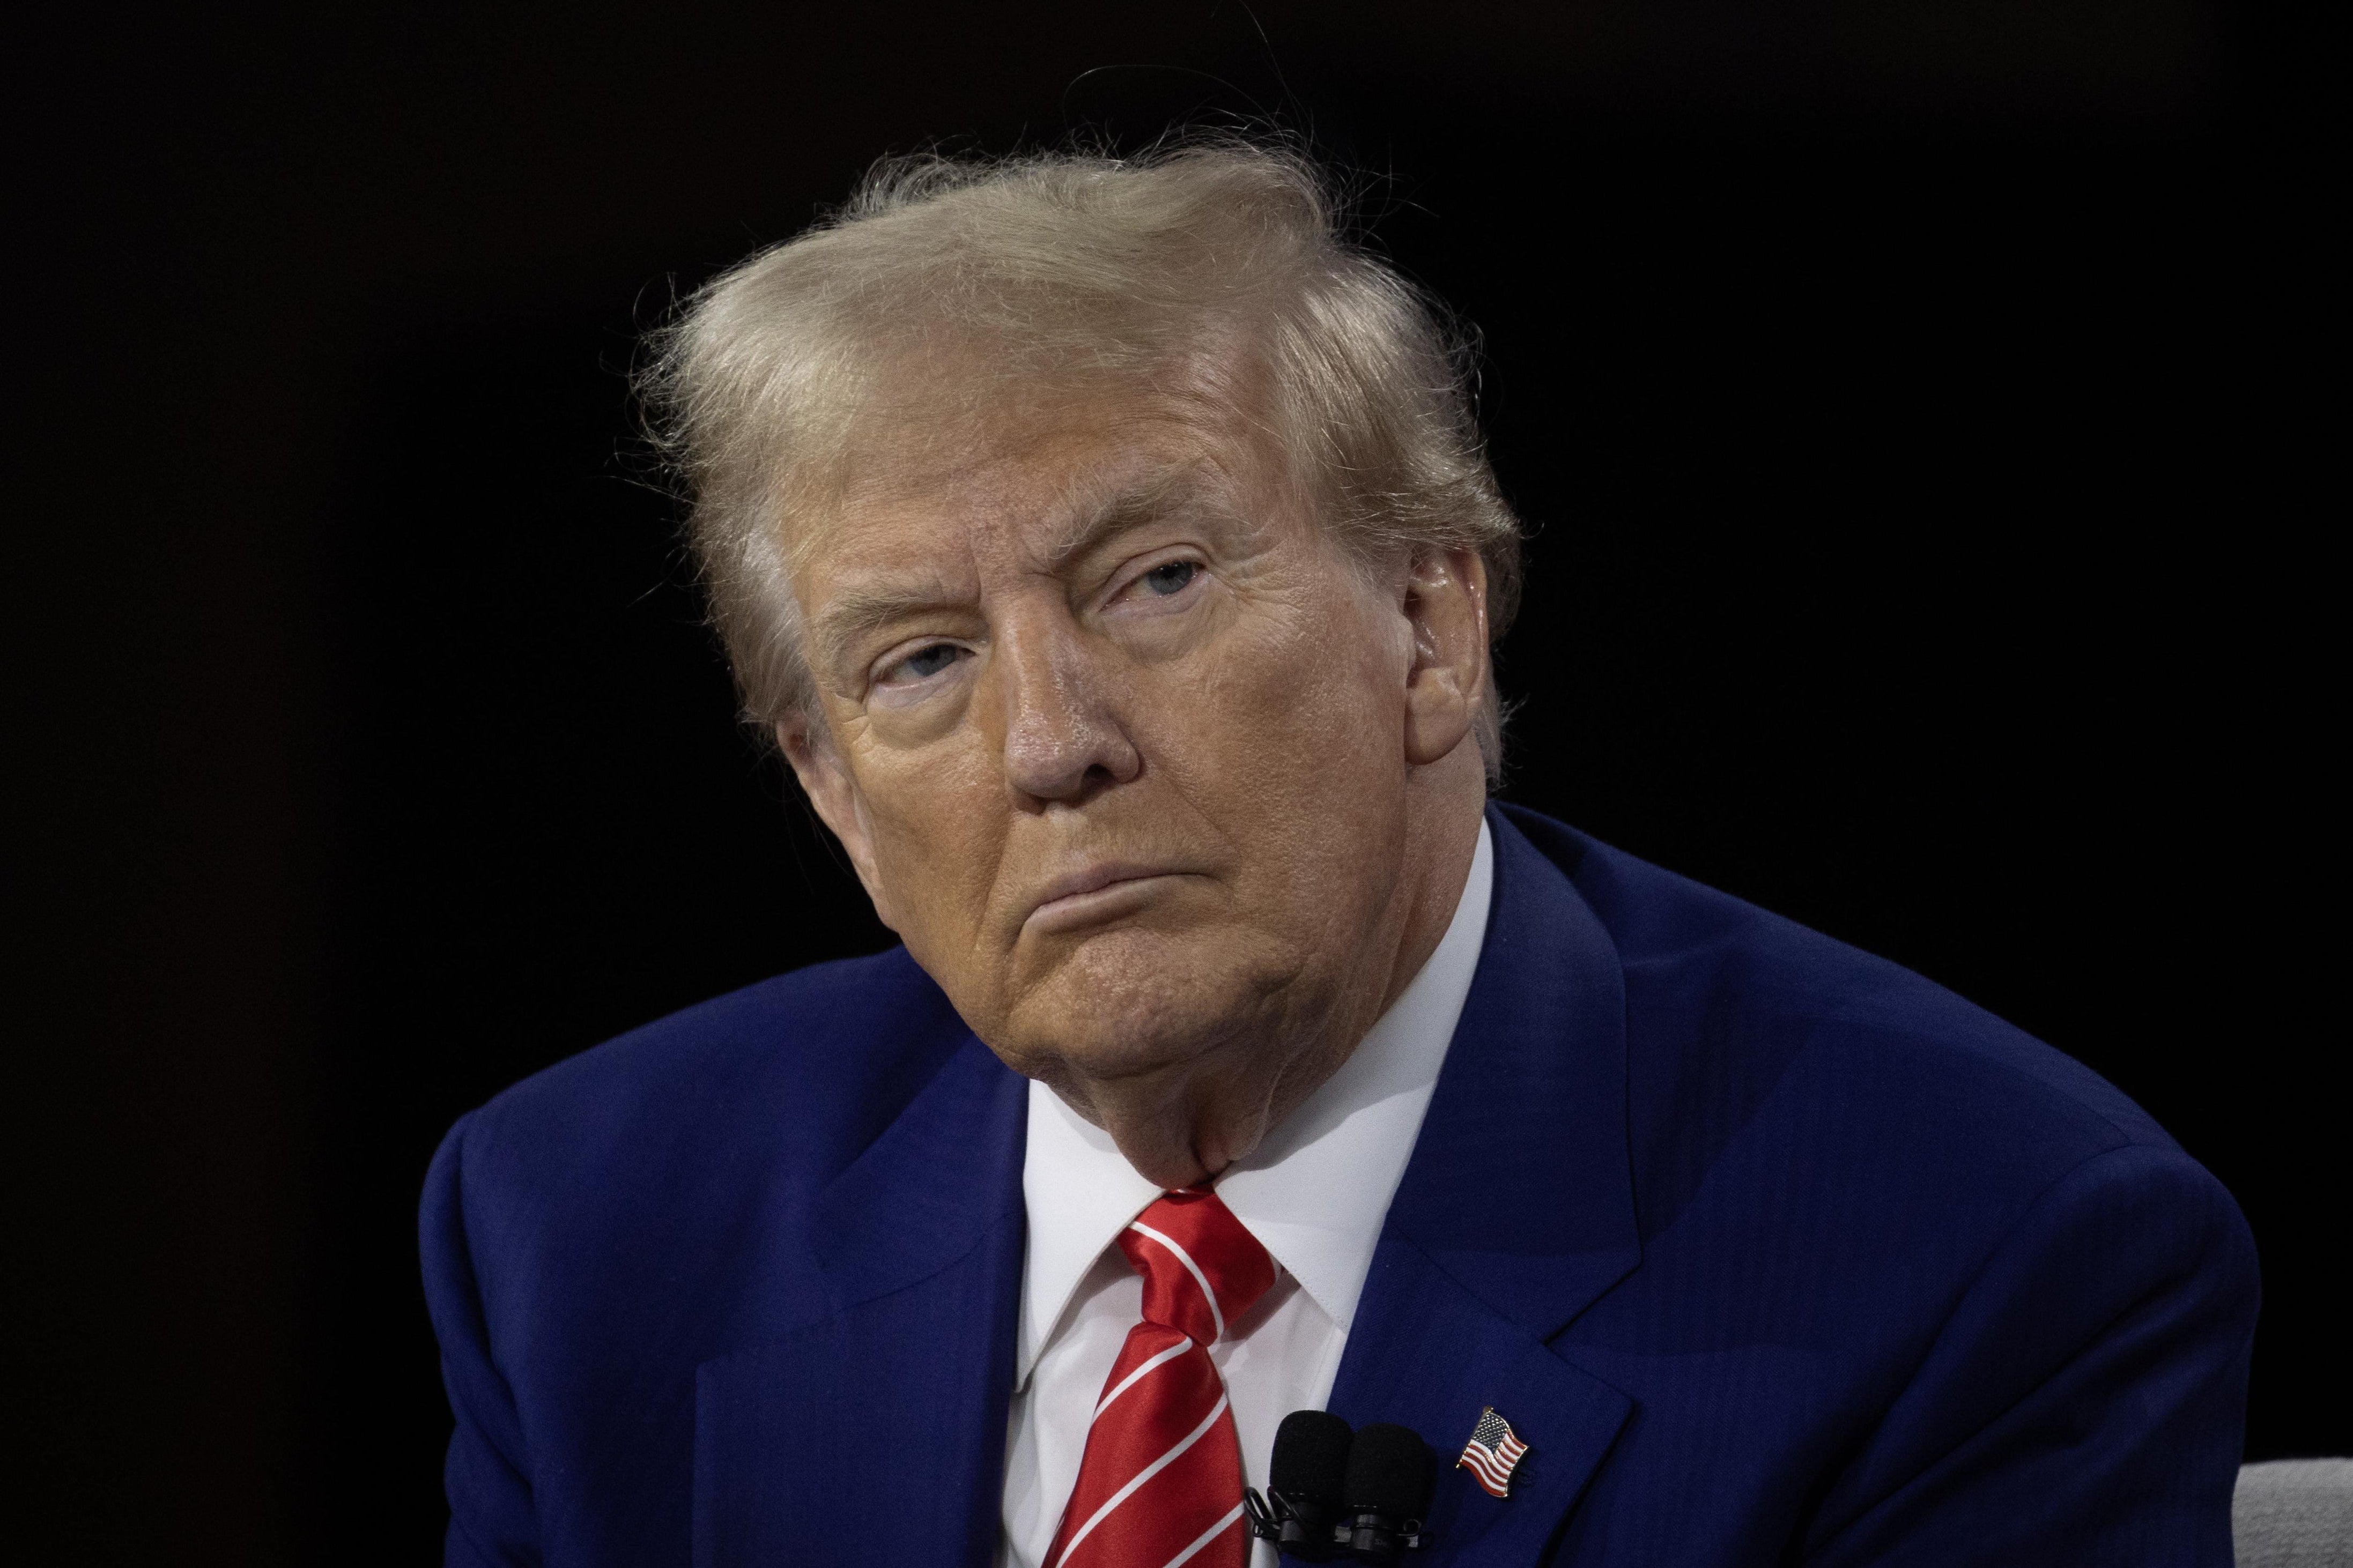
[{"x": 1108, "y": 548}]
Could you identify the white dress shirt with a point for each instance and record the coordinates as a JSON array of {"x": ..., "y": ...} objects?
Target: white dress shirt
[{"x": 1314, "y": 1192}]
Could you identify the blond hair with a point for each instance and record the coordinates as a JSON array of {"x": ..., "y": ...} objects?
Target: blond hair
[{"x": 1068, "y": 266}]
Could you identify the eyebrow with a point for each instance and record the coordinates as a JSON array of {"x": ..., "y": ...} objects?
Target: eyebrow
[
  {"x": 1138, "y": 501},
  {"x": 859, "y": 612}
]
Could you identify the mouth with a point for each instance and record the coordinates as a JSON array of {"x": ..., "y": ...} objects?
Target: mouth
[{"x": 1095, "y": 895}]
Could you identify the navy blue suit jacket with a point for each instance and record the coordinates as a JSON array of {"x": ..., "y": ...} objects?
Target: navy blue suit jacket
[{"x": 1775, "y": 1252}]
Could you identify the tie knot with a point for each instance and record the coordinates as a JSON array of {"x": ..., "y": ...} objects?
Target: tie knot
[{"x": 1201, "y": 1269}]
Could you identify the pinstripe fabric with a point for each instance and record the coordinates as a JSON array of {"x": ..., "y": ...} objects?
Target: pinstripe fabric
[{"x": 1161, "y": 1482}]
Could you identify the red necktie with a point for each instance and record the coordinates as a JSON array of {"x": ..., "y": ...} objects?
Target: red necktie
[{"x": 1161, "y": 1481}]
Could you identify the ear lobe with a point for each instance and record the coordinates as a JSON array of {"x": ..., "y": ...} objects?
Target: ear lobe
[
  {"x": 1445, "y": 606},
  {"x": 825, "y": 779}
]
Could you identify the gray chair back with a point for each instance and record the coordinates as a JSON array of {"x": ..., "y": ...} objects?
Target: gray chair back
[{"x": 2293, "y": 1513}]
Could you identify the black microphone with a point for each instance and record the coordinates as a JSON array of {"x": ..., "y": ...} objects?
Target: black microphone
[
  {"x": 1304, "y": 1481},
  {"x": 1385, "y": 1492}
]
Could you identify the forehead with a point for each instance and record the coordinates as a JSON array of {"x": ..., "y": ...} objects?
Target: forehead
[{"x": 1015, "y": 473}]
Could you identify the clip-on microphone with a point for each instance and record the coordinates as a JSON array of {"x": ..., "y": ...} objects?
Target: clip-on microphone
[
  {"x": 1305, "y": 1479},
  {"x": 1331, "y": 1492},
  {"x": 1386, "y": 1491}
]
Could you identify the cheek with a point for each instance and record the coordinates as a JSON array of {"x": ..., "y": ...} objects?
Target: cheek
[
  {"x": 1308, "y": 682},
  {"x": 937, "y": 822},
  {"x": 1299, "y": 718}
]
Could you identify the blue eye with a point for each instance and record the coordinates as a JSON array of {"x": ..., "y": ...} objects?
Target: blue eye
[
  {"x": 927, "y": 662},
  {"x": 1171, "y": 578}
]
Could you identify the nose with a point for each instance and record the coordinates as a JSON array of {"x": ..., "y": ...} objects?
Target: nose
[{"x": 1063, "y": 738}]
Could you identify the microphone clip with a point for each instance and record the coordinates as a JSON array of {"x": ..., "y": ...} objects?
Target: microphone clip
[{"x": 1302, "y": 1529}]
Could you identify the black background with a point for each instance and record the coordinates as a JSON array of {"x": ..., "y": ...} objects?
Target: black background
[{"x": 1911, "y": 401}]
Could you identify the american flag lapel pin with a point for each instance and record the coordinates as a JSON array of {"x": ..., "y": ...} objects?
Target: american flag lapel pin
[{"x": 1493, "y": 1453}]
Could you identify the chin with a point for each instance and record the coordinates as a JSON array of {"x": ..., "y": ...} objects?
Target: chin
[{"x": 1135, "y": 1001}]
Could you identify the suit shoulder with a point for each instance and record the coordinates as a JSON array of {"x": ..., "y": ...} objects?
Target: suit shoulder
[
  {"x": 1709, "y": 972},
  {"x": 810, "y": 1066}
]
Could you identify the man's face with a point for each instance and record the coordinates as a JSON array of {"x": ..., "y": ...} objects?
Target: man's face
[{"x": 1115, "y": 733}]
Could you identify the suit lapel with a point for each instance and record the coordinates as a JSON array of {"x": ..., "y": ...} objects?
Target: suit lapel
[
  {"x": 877, "y": 1434},
  {"x": 1515, "y": 1213},
  {"x": 1430, "y": 1356}
]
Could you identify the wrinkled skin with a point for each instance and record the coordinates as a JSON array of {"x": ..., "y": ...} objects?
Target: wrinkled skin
[{"x": 1170, "y": 795}]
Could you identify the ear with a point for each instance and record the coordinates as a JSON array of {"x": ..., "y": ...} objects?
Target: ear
[
  {"x": 1445, "y": 606},
  {"x": 826, "y": 778}
]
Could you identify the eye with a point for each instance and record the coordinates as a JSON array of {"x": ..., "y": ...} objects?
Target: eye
[
  {"x": 1170, "y": 578},
  {"x": 924, "y": 663}
]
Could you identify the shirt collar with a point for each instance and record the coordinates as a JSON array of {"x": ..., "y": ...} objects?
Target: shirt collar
[{"x": 1314, "y": 1192}]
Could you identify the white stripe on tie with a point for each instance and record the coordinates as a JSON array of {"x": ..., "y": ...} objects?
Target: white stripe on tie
[
  {"x": 1191, "y": 1267},
  {"x": 1171, "y": 1353},
  {"x": 1208, "y": 1535},
  {"x": 1142, "y": 1476}
]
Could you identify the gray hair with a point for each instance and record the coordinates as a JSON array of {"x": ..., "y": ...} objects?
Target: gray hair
[{"x": 1068, "y": 266}]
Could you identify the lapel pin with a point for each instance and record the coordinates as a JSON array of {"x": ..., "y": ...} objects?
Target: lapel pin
[{"x": 1493, "y": 1453}]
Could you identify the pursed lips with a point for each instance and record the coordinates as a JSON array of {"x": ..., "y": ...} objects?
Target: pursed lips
[{"x": 1094, "y": 893}]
